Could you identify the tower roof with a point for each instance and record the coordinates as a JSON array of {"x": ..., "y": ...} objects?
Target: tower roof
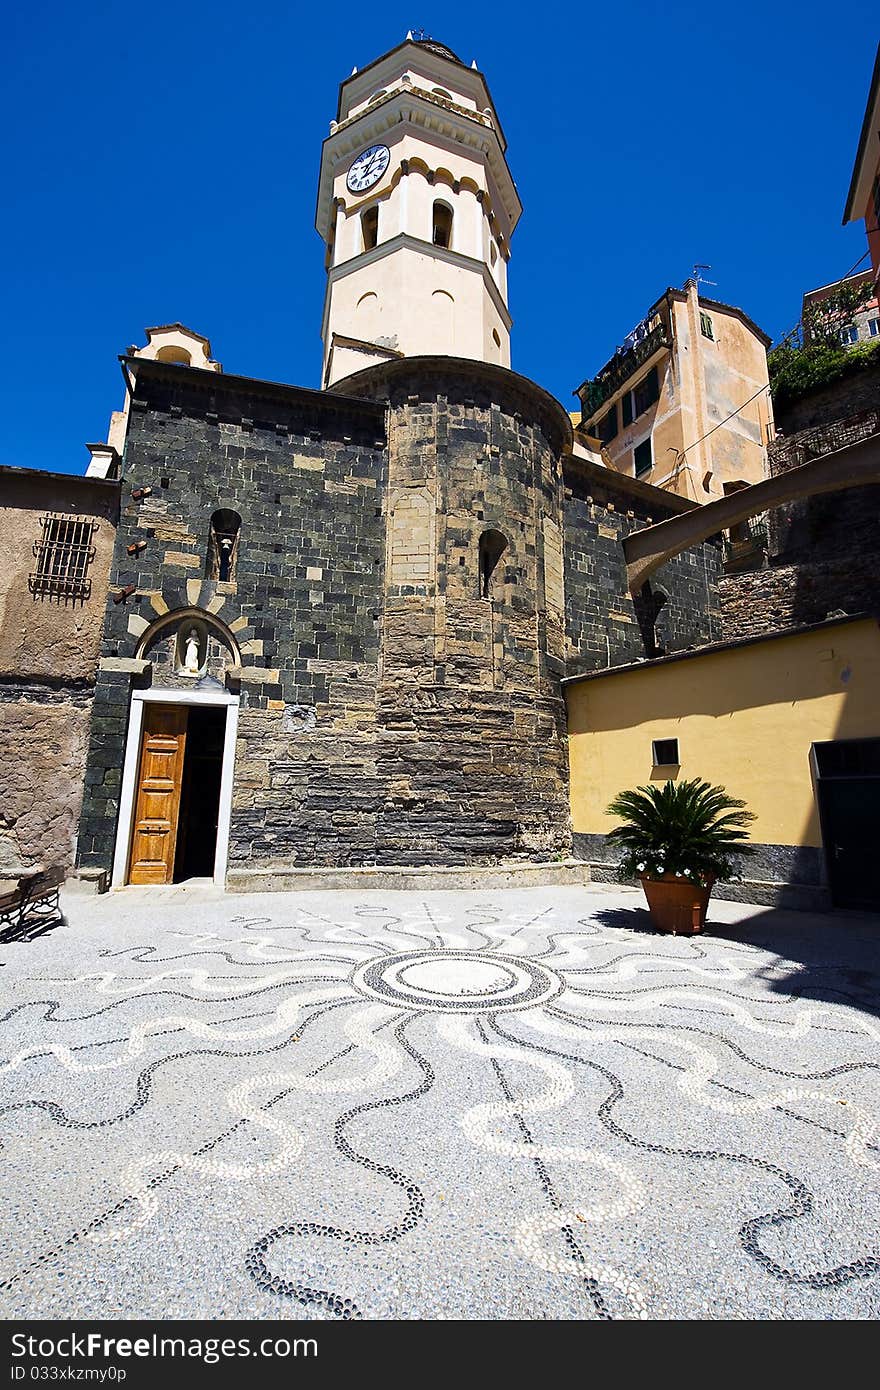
[{"x": 440, "y": 48}]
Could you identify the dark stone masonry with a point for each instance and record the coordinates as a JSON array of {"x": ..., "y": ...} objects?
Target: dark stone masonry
[{"x": 419, "y": 560}]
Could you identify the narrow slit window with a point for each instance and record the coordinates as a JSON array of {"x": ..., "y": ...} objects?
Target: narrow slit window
[
  {"x": 63, "y": 555},
  {"x": 370, "y": 228},
  {"x": 492, "y": 546}
]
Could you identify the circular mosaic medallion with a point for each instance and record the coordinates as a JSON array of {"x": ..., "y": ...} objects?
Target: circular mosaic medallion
[{"x": 472, "y": 982}]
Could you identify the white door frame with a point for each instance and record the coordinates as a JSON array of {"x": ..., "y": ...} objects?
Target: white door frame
[{"x": 128, "y": 794}]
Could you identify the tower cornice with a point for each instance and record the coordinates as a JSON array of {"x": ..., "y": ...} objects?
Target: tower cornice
[{"x": 411, "y": 108}]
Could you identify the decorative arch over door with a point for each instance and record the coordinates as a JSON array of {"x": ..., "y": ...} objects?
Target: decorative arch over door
[{"x": 188, "y": 645}]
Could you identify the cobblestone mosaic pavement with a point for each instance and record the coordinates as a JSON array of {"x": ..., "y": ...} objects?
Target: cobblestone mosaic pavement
[{"x": 442, "y": 1105}]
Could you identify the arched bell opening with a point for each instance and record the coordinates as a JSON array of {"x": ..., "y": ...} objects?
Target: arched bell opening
[{"x": 223, "y": 548}]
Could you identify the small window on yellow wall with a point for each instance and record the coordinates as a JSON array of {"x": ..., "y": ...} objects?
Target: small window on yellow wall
[
  {"x": 370, "y": 227},
  {"x": 706, "y": 327},
  {"x": 664, "y": 752}
]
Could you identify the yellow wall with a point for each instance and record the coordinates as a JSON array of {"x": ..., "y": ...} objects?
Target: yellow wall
[{"x": 744, "y": 718}]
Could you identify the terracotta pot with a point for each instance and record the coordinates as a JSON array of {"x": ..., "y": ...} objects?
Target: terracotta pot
[{"x": 677, "y": 905}]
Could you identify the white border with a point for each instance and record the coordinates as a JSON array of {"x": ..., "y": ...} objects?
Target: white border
[{"x": 130, "y": 770}]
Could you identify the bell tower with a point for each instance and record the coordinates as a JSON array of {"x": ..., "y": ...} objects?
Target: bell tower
[{"x": 416, "y": 207}]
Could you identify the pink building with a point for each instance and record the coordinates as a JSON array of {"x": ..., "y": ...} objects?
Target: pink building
[{"x": 863, "y": 199}]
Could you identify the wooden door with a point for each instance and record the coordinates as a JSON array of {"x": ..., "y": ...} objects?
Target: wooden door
[{"x": 160, "y": 778}]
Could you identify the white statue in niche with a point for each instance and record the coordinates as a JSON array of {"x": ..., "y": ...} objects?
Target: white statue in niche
[{"x": 190, "y": 654}]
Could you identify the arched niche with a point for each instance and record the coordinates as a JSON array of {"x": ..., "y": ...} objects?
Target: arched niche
[
  {"x": 188, "y": 646},
  {"x": 492, "y": 546},
  {"x": 173, "y": 353}
]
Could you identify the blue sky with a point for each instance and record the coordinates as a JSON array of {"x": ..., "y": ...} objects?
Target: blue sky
[{"x": 161, "y": 164}]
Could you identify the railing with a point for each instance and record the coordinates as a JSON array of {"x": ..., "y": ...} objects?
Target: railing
[
  {"x": 747, "y": 543},
  {"x": 594, "y": 393},
  {"x": 786, "y": 452}
]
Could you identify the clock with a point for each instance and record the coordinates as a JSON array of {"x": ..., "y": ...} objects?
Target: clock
[{"x": 368, "y": 168}]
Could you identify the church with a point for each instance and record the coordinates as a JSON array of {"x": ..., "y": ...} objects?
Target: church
[
  {"x": 338, "y": 628},
  {"x": 337, "y": 620}
]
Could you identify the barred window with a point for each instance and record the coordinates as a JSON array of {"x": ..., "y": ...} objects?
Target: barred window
[{"x": 63, "y": 554}]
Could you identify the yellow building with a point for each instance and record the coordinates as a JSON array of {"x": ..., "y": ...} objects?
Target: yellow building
[
  {"x": 789, "y": 722},
  {"x": 685, "y": 404}
]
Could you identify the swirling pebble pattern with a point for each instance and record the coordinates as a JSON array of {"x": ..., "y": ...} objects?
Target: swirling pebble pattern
[{"x": 460, "y": 1105}]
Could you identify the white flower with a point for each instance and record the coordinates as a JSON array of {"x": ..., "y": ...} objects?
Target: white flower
[{"x": 640, "y": 868}]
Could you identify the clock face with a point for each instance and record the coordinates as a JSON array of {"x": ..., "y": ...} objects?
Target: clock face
[{"x": 368, "y": 168}]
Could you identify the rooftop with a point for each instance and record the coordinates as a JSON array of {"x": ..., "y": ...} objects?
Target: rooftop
[{"x": 712, "y": 648}]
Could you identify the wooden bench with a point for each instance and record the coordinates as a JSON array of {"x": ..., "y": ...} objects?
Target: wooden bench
[{"x": 29, "y": 903}]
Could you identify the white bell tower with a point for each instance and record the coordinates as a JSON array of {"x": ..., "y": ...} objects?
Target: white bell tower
[{"x": 416, "y": 207}]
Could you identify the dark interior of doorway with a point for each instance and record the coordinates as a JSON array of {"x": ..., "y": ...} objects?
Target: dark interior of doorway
[{"x": 200, "y": 793}]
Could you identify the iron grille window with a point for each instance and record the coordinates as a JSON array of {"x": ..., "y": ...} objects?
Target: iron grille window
[
  {"x": 848, "y": 757},
  {"x": 63, "y": 555}
]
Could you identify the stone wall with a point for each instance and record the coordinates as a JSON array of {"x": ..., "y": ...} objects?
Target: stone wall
[
  {"x": 791, "y": 595},
  {"x": 43, "y": 737},
  {"x": 822, "y": 554},
  {"x": 788, "y": 876},
  {"x": 49, "y": 643},
  {"x": 471, "y": 754},
  {"x": 50, "y": 635},
  {"x": 306, "y": 473},
  {"x": 398, "y": 605},
  {"x": 849, "y": 396},
  {"x": 605, "y": 626}
]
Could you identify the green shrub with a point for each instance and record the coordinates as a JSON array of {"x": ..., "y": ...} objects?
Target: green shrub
[
  {"x": 691, "y": 829},
  {"x": 798, "y": 371}
]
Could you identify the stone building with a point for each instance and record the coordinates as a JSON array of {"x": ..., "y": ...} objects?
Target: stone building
[
  {"x": 338, "y": 620},
  {"x": 685, "y": 402},
  {"x": 56, "y": 545},
  {"x": 375, "y": 679},
  {"x": 405, "y": 625}
]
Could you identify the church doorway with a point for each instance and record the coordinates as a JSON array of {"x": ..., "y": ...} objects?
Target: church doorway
[
  {"x": 200, "y": 794},
  {"x": 177, "y": 789}
]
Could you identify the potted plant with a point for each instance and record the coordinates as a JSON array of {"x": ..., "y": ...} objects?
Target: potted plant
[{"x": 679, "y": 839}]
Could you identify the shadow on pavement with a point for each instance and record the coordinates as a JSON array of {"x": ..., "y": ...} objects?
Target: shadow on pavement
[{"x": 827, "y": 959}]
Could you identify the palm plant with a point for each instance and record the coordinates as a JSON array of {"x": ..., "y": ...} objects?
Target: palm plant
[{"x": 691, "y": 830}]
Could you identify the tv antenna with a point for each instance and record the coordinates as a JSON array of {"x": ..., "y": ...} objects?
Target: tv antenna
[{"x": 700, "y": 278}]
